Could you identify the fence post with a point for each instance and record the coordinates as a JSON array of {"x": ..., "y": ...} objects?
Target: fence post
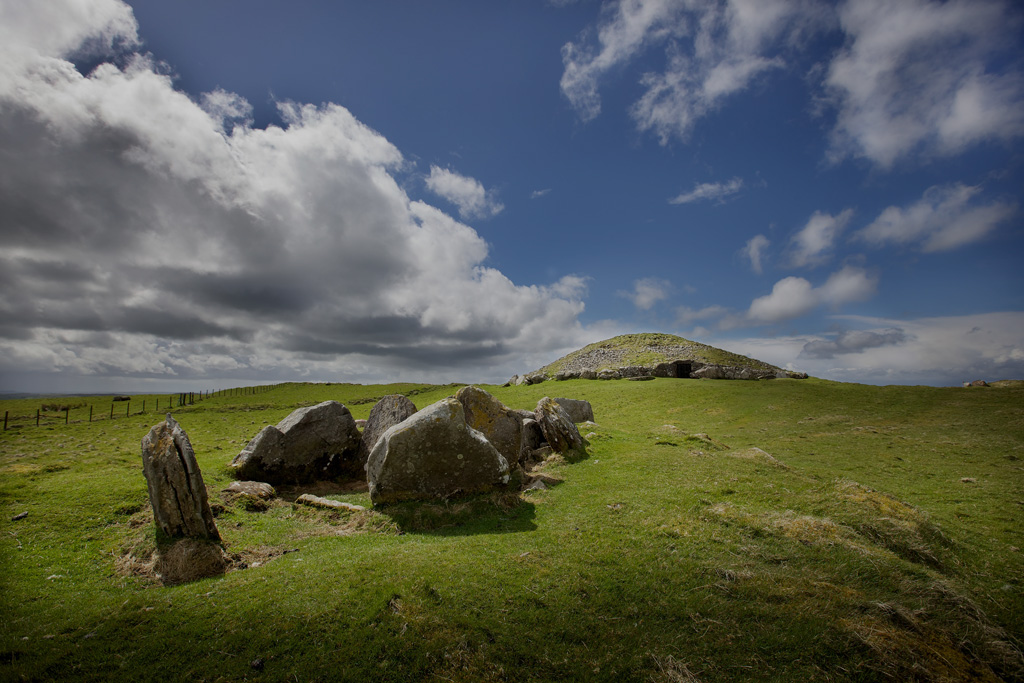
[
  {"x": 67, "y": 411},
  {"x": 127, "y": 408},
  {"x": 37, "y": 417},
  {"x": 111, "y": 410},
  {"x": 5, "y": 419},
  {"x": 90, "y": 412}
]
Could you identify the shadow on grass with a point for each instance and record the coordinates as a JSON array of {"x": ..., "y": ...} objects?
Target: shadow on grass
[{"x": 495, "y": 513}]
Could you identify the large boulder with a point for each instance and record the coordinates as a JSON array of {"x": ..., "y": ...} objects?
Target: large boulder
[
  {"x": 559, "y": 431},
  {"x": 433, "y": 454},
  {"x": 578, "y": 410},
  {"x": 176, "y": 489},
  {"x": 313, "y": 443},
  {"x": 384, "y": 415},
  {"x": 492, "y": 418}
]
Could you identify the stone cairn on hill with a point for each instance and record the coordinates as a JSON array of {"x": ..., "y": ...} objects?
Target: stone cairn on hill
[{"x": 190, "y": 548}]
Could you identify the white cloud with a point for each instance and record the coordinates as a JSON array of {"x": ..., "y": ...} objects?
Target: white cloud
[
  {"x": 537, "y": 194},
  {"x": 923, "y": 76},
  {"x": 945, "y": 218},
  {"x": 754, "y": 251},
  {"x": 709, "y": 191},
  {"x": 811, "y": 246},
  {"x": 648, "y": 291},
  {"x": 151, "y": 236},
  {"x": 943, "y": 351},
  {"x": 793, "y": 297},
  {"x": 714, "y": 49},
  {"x": 466, "y": 193}
]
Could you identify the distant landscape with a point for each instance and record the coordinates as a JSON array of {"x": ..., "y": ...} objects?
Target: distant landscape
[{"x": 716, "y": 531}]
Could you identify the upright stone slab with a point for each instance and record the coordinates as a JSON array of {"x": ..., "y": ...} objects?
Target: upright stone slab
[
  {"x": 176, "y": 489},
  {"x": 312, "y": 444},
  {"x": 433, "y": 454},
  {"x": 559, "y": 430},
  {"x": 387, "y": 412},
  {"x": 492, "y": 418},
  {"x": 578, "y": 410}
]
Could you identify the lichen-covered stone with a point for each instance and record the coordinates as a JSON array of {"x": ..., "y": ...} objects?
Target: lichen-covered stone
[
  {"x": 492, "y": 418},
  {"x": 314, "y": 443},
  {"x": 433, "y": 454},
  {"x": 384, "y": 415},
  {"x": 559, "y": 431},
  {"x": 176, "y": 489},
  {"x": 578, "y": 410}
]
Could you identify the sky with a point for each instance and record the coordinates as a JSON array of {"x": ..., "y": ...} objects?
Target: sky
[{"x": 196, "y": 195}]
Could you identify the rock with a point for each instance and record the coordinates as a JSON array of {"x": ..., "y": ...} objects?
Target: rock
[
  {"x": 641, "y": 378},
  {"x": 630, "y": 371},
  {"x": 20, "y": 515},
  {"x": 536, "y": 485},
  {"x": 176, "y": 489},
  {"x": 492, "y": 418},
  {"x": 609, "y": 373},
  {"x": 433, "y": 454},
  {"x": 979, "y": 383},
  {"x": 257, "y": 489},
  {"x": 588, "y": 373},
  {"x": 578, "y": 410},
  {"x": 512, "y": 381},
  {"x": 317, "y": 501},
  {"x": 313, "y": 443},
  {"x": 360, "y": 425},
  {"x": 122, "y": 398},
  {"x": 384, "y": 415},
  {"x": 559, "y": 431},
  {"x": 536, "y": 378}
]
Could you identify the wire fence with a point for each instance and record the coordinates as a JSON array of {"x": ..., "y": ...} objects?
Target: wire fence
[{"x": 63, "y": 411}]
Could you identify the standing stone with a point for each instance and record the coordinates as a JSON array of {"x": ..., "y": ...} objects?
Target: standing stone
[
  {"x": 578, "y": 410},
  {"x": 313, "y": 443},
  {"x": 559, "y": 430},
  {"x": 387, "y": 412},
  {"x": 492, "y": 418},
  {"x": 433, "y": 454},
  {"x": 176, "y": 489}
]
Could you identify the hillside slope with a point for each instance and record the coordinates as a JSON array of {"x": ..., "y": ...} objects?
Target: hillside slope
[{"x": 649, "y": 349}]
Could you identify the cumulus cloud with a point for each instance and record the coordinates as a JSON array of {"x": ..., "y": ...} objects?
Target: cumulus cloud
[
  {"x": 537, "y": 194},
  {"x": 648, "y": 291},
  {"x": 812, "y": 244},
  {"x": 466, "y": 193},
  {"x": 152, "y": 235},
  {"x": 942, "y": 351},
  {"x": 713, "y": 50},
  {"x": 754, "y": 252},
  {"x": 852, "y": 341},
  {"x": 793, "y": 297},
  {"x": 709, "y": 191},
  {"x": 918, "y": 76},
  {"x": 945, "y": 218}
]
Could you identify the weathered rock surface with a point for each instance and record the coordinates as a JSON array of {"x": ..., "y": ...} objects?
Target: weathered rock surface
[
  {"x": 559, "y": 431},
  {"x": 578, "y": 410},
  {"x": 433, "y": 454},
  {"x": 731, "y": 372},
  {"x": 176, "y": 489},
  {"x": 317, "y": 501},
  {"x": 313, "y": 443},
  {"x": 384, "y": 415},
  {"x": 492, "y": 418},
  {"x": 257, "y": 489}
]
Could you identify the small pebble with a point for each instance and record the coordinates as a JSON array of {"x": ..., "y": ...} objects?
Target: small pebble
[{"x": 18, "y": 516}]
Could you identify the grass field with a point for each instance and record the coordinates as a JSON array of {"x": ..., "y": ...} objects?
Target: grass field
[{"x": 819, "y": 532}]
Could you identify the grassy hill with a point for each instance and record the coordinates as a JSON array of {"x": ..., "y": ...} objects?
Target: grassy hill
[
  {"x": 648, "y": 349},
  {"x": 718, "y": 531}
]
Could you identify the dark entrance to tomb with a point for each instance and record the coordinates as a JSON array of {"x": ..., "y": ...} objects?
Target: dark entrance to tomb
[{"x": 683, "y": 370}]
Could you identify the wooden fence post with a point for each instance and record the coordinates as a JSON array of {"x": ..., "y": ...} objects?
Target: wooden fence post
[
  {"x": 5, "y": 419},
  {"x": 111, "y": 411},
  {"x": 90, "y": 412},
  {"x": 37, "y": 417},
  {"x": 127, "y": 408}
]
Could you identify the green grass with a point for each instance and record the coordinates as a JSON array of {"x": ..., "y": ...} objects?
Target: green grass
[{"x": 881, "y": 541}]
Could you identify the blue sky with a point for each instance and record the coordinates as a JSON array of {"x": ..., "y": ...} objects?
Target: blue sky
[{"x": 199, "y": 194}]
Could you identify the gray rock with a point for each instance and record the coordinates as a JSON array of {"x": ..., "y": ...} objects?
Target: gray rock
[
  {"x": 384, "y": 415},
  {"x": 641, "y": 378},
  {"x": 314, "y": 443},
  {"x": 559, "y": 431},
  {"x": 578, "y": 410},
  {"x": 433, "y": 454},
  {"x": 176, "y": 489},
  {"x": 257, "y": 489},
  {"x": 492, "y": 418},
  {"x": 609, "y": 373},
  {"x": 317, "y": 501},
  {"x": 588, "y": 373}
]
